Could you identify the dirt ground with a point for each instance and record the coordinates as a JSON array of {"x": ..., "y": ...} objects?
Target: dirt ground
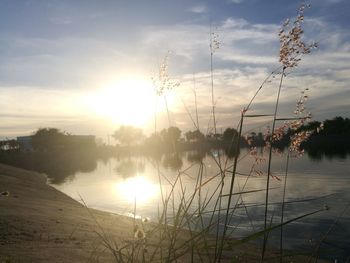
[{"x": 40, "y": 224}]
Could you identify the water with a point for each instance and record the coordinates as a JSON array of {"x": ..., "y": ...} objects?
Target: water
[{"x": 312, "y": 184}]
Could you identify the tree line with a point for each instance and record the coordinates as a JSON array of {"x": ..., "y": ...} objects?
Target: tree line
[{"x": 52, "y": 139}]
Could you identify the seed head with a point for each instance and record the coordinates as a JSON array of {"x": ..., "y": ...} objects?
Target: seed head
[
  {"x": 163, "y": 82},
  {"x": 292, "y": 45},
  {"x": 214, "y": 42}
]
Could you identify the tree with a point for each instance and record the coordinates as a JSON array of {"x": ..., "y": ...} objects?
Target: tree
[
  {"x": 336, "y": 126},
  {"x": 128, "y": 135},
  {"x": 154, "y": 140},
  {"x": 230, "y": 134},
  {"x": 194, "y": 136},
  {"x": 170, "y": 135},
  {"x": 48, "y": 139},
  {"x": 9, "y": 145}
]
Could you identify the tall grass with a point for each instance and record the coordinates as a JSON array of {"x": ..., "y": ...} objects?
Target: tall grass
[{"x": 193, "y": 224}]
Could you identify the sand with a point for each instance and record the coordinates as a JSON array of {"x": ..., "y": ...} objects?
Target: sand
[{"x": 40, "y": 224}]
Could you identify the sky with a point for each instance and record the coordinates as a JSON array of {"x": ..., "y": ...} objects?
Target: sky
[{"x": 86, "y": 67}]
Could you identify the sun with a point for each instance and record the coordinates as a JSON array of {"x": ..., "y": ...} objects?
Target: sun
[{"x": 129, "y": 101}]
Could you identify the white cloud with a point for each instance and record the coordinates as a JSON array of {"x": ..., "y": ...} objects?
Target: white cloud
[
  {"x": 247, "y": 55},
  {"x": 233, "y": 23},
  {"x": 199, "y": 9},
  {"x": 332, "y": 1},
  {"x": 235, "y": 1},
  {"x": 241, "y": 42}
]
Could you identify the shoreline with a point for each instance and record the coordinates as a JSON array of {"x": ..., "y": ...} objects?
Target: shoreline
[
  {"x": 38, "y": 223},
  {"x": 41, "y": 224}
]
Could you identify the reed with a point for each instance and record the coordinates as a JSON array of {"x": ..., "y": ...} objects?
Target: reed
[{"x": 193, "y": 224}]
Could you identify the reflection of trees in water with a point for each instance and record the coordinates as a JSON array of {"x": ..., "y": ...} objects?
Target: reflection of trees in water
[
  {"x": 195, "y": 156},
  {"x": 130, "y": 167},
  {"x": 59, "y": 170},
  {"x": 58, "y": 166},
  {"x": 155, "y": 157},
  {"x": 172, "y": 161},
  {"x": 328, "y": 149},
  {"x": 231, "y": 151}
]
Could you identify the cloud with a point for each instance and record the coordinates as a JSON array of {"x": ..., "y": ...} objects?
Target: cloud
[
  {"x": 332, "y": 1},
  {"x": 236, "y": 1},
  {"x": 247, "y": 55},
  {"x": 199, "y": 9},
  {"x": 40, "y": 74},
  {"x": 234, "y": 23},
  {"x": 62, "y": 63},
  {"x": 61, "y": 20}
]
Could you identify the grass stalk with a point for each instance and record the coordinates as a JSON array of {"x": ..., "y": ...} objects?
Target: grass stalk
[
  {"x": 283, "y": 206},
  {"x": 269, "y": 163},
  {"x": 231, "y": 188}
]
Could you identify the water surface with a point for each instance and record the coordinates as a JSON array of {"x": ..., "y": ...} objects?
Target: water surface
[{"x": 117, "y": 183}]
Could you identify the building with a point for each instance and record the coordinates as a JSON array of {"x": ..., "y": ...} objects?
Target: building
[
  {"x": 69, "y": 142},
  {"x": 25, "y": 143}
]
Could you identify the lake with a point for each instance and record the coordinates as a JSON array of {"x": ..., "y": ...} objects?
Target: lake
[{"x": 312, "y": 184}]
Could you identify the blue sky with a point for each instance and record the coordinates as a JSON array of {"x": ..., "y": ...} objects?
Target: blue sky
[{"x": 59, "y": 56}]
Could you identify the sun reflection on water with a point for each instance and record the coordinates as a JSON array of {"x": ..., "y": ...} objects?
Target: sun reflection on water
[{"x": 137, "y": 188}]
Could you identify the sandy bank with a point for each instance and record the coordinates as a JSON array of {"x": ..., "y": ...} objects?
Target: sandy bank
[{"x": 40, "y": 224}]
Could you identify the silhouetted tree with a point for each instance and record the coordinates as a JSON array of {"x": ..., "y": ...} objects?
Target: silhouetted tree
[
  {"x": 9, "y": 145},
  {"x": 170, "y": 135},
  {"x": 336, "y": 126},
  {"x": 128, "y": 135},
  {"x": 229, "y": 134},
  {"x": 49, "y": 139},
  {"x": 154, "y": 140},
  {"x": 194, "y": 136},
  {"x": 214, "y": 136}
]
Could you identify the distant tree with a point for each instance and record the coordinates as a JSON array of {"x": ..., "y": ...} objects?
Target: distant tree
[
  {"x": 196, "y": 135},
  {"x": 229, "y": 134},
  {"x": 154, "y": 140},
  {"x": 13, "y": 144},
  {"x": 214, "y": 136},
  {"x": 9, "y": 145},
  {"x": 48, "y": 139},
  {"x": 336, "y": 126},
  {"x": 128, "y": 135},
  {"x": 311, "y": 126},
  {"x": 170, "y": 135}
]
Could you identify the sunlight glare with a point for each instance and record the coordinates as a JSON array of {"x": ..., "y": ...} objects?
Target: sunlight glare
[
  {"x": 129, "y": 101},
  {"x": 138, "y": 188}
]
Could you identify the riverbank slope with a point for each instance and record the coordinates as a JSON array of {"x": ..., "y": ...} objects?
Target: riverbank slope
[{"x": 40, "y": 224}]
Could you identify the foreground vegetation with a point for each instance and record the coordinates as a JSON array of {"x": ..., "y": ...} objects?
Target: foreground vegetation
[{"x": 198, "y": 224}]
